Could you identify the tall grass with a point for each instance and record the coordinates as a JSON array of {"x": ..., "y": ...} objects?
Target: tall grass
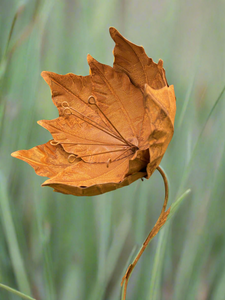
[{"x": 55, "y": 247}]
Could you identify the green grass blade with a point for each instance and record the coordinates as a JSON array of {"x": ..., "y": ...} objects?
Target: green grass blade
[
  {"x": 15, "y": 292},
  {"x": 46, "y": 255},
  {"x": 175, "y": 205},
  {"x": 154, "y": 290},
  {"x": 10, "y": 234},
  {"x": 193, "y": 155},
  {"x": 129, "y": 261},
  {"x": 220, "y": 288}
]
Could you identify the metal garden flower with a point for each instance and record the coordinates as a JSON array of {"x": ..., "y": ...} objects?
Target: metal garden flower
[{"x": 114, "y": 125}]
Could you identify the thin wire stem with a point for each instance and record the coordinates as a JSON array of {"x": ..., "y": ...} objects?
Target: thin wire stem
[
  {"x": 129, "y": 144},
  {"x": 105, "y": 152},
  {"x": 93, "y": 123},
  {"x": 160, "y": 222}
]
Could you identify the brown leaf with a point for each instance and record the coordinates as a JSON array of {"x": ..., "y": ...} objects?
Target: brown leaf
[
  {"x": 47, "y": 160},
  {"x": 83, "y": 179},
  {"x": 132, "y": 60},
  {"x": 70, "y": 88},
  {"x": 114, "y": 92},
  {"x": 114, "y": 125},
  {"x": 160, "y": 113}
]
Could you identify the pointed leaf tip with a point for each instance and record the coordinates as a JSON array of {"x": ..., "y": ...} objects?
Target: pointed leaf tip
[
  {"x": 89, "y": 58},
  {"x": 17, "y": 154},
  {"x": 160, "y": 63},
  {"x": 91, "y": 61},
  {"x": 46, "y": 76},
  {"x": 112, "y": 30},
  {"x": 41, "y": 123},
  {"x": 43, "y": 73},
  {"x": 14, "y": 154}
]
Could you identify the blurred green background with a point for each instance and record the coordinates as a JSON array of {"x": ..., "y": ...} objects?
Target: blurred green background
[{"x": 56, "y": 247}]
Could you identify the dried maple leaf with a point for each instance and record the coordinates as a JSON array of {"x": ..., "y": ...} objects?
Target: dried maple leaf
[{"x": 114, "y": 125}]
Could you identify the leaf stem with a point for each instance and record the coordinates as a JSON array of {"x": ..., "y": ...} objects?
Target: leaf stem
[{"x": 160, "y": 222}]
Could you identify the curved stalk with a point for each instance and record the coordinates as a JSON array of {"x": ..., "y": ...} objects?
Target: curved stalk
[{"x": 160, "y": 222}]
